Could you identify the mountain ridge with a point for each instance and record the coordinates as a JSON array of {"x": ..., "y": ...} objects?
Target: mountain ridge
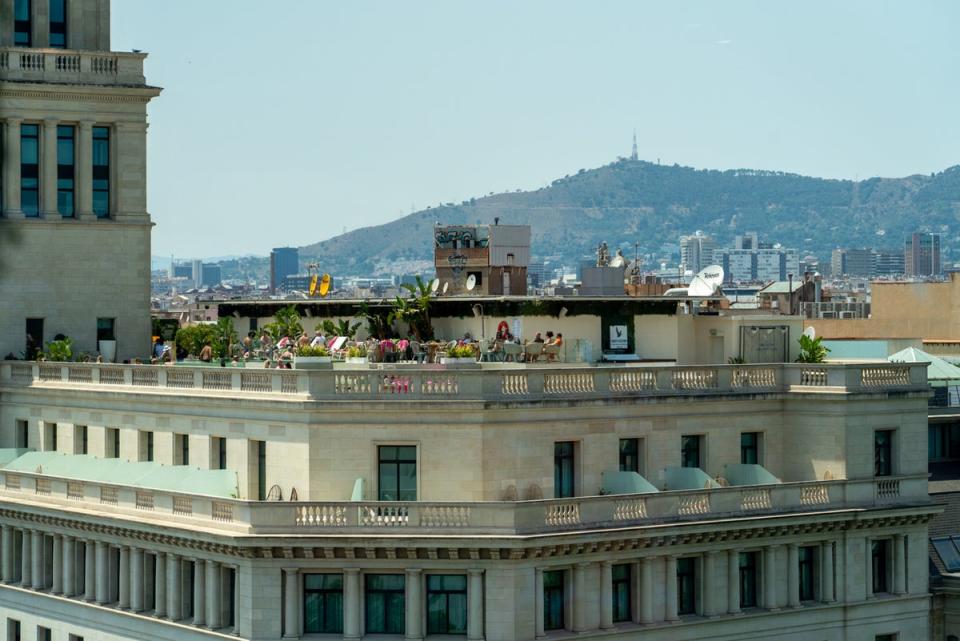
[{"x": 630, "y": 201}]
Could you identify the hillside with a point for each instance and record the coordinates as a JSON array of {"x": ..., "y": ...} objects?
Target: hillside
[{"x": 629, "y": 201}]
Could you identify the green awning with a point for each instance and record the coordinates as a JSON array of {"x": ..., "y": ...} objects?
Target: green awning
[
  {"x": 687, "y": 478},
  {"x": 747, "y": 474},
  {"x": 616, "y": 482}
]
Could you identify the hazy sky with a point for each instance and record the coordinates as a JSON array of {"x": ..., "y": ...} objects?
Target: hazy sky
[{"x": 287, "y": 121}]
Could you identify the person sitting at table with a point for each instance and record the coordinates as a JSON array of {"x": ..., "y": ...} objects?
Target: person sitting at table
[
  {"x": 559, "y": 340},
  {"x": 549, "y": 340},
  {"x": 538, "y": 338}
]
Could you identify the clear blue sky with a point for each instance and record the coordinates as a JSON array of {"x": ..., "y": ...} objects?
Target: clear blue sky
[{"x": 285, "y": 122}]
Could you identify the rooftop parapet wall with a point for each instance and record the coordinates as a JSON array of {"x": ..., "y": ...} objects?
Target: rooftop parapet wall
[
  {"x": 71, "y": 67},
  {"x": 495, "y": 383}
]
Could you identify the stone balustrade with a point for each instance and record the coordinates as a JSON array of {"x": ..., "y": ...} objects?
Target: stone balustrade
[
  {"x": 67, "y": 66},
  {"x": 489, "y": 382},
  {"x": 232, "y": 516}
]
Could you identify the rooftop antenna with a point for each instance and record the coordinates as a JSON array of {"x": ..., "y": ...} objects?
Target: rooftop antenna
[{"x": 633, "y": 155}]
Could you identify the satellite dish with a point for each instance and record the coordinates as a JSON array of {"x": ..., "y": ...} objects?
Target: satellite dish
[
  {"x": 434, "y": 285},
  {"x": 324, "y": 285},
  {"x": 712, "y": 274},
  {"x": 700, "y": 288},
  {"x": 471, "y": 282},
  {"x": 810, "y": 332},
  {"x": 446, "y": 286},
  {"x": 313, "y": 285}
]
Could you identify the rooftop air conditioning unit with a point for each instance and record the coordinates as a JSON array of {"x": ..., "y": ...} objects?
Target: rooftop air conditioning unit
[{"x": 848, "y": 314}]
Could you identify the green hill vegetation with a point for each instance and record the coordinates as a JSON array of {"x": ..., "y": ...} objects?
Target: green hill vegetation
[{"x": 635, "y": 201}]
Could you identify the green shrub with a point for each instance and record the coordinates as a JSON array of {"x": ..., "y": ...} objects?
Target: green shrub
[{"x": 309, "y": 350}]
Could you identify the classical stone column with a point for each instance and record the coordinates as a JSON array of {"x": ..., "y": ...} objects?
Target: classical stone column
[
  {"x": 579, "y": 591},
  {"x": 538, "y": 602},
  {"x": 793, "y": 575},
  {"x": 214, "y": 616},
  {"x": 606, "y": 595},
  {"x": 160, "y": 586},
  {"x": 351, "y": 604},
  {"x": 123, "y": 601},
  {"x": 174, "y": 611},
  {"x": 770, "y": 577},
  {"x": 84, "y": 173},
  {"x": 56, "y": 583},
  {"x": 733, "y": 582},
  {"x": 103, "y": 573},
  {"x": 474, "y": 605},
  {"x": 414, "y": 601},
  {"x": 48, "y": 169},
  {"x": 646, "y": 590},
  {"x": 199, "y": 596},
  {"x": 291, "y": 603},
  {"x": 36, "y": 558},
  {"x": 826, "y": 572},
  {"x": 136, "y": 579},
  {"x": 69, "y": 565},
  {"x": 26, "y": 564},
  {"x": 899, "y": 564},
  {"x": 6, "y": 543},
  {"x": 670, "y": 589},
  {"x": 11, "y": 168},
  {"x": 711, "y": 606},
  {"x": 89, "y": 570}
]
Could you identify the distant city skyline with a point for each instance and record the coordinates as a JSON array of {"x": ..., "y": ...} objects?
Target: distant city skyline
[{"x": 324, "y": 117}]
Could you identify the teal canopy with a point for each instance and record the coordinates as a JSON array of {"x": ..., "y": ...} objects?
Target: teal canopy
[
  {"x": 940, "y": 373},
  {"x": 616, "y": 482},
  {"x": 148, "y": 475},
  {"x": 687, "y": 478},
  {"x": 748, "y": 474}
]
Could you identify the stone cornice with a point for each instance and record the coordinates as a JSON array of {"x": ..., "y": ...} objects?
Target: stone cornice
[{"x": 80, "y": 93}]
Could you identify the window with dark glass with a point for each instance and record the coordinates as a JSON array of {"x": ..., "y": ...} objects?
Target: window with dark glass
[
  {"x": 13, "y": 630},
  {"x": 630, "y": 455},
  {"x": 183, "y": 448},
  {"x": 101, "y": 171},
  {"x": 563, "y": 469},
  {"x": 66, "y": 162},
  {"x": 944, "y": 441},
  {"x": 879, "y": 555},
  {"x": 106, "y": 329},
  {"x": 690, "y": 451},
  {"x": 22, "y": 23},
  {"x": 58, "y": 24},
  {"x": 948, "y": 551},
  {"x": 750, "y": 448},
  {"x": 883, "y": 452},
  {"x": 621, "y": 592},
  {"x": 262, "y": 470},
  {"x": 149, "y": 444},
  {"x": 220, "y": 452},
  {"x": 385, "y": 604},
  {"x": 30, "y": 170},
  {"x": 687, "y": 585},
  {"x": 22, "y": 433},
  {"x": 43, "y": 633},
  {"x": 112, "y": 442},
  {"x": 748, "y": 579},
  {"x": 397, "y": 472},
  {"x": 80, "y": 439},
  {"x": 323, "y": 603},
  {"x": 806, "y": 557},
  {"x": 553, "y": 600},
  {"x": 446, "y": 604}
]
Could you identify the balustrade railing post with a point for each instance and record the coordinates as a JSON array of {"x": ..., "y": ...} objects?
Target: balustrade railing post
[
  {"x": 664, "y": 379},
  {"x": 725, "y": 378},
  {"x": 535, "y": 383}
]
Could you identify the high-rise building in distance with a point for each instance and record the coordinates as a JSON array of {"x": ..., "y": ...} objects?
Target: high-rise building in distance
[
  {"x": 696, "y": 251},
  {"x": 922, "y": 254},
  {"x": 284, "y": 261},
  {"x": 853, "y": 262}
]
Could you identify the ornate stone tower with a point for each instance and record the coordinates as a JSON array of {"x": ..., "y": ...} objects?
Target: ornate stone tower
[{"x": 74, "y": 229}]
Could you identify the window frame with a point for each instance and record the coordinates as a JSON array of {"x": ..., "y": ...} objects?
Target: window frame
[
  {"x": 634, "y": 443},
  {"x": 807, "y": 557},
  {"x": 755, "y": 448},
  {"x": 445, "y": 593},
  {"x": 389, "y": 604},
  {"x": 101, "y": 142},
  {"x": 325, "y": 595},
  {"x": 564, "y": 469},
  {"x": 58, "y": 27},
  {"x": 880, "y": 560},
  {"x": 622, "y": 592},
  {"x": 749, "y": 573},
  {"x": 397, "y": 462},
  {"x": 883, "y": 452},
  {"x": 30, "y": 171},
  {"x": 67, "y": 171},
  {"x": 23, "y": 26},
  {"x": 685, "y": 451},
  {"x": 554, "y": 599}
]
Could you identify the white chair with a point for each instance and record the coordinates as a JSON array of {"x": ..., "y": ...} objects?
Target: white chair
[{"x": 532, "y": 351}]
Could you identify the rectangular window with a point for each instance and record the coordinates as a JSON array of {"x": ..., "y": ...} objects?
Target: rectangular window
[
  {"x": 50, "y": 436},
  {"x": 106, "y": 330},
  {"x": 947, "y": 551},
  {"x": 58, "y": 24},
  {"x": 23, "y": 433},
  {"x": 397, "y": 467},
  {"x": 446, "y": 604},
  {"x": 218, "y": 453},
  {"x": 13, "y": 630},
  {"x": 385, "y": 604},
  {"x": 149, "y": 445},
  {"x": 563, "y": 469},
  {"x": 879, "y": 556},
  {"x": 323, "y": 603},
  {"x": 43, "y": 634},
  {"x": 690, "y": 451},
  {"x": 630, "y": 455},
  {"x": 807, "y": 556},
  {"x": 22, "y": 25},
  {"x": 101, "y": 171},
  {"x": 553, "y": 599},
  {"x": 750, "y": 448},
  {"x": 74, "y": 637},
  {"x": 883, "y": 452},
  {"x": 621, "y": 592},
  {"x": 66, "y": 162},
  {"x": 79, "y": 439},
  {"x": 30, "y": 170},
  {"x": 687, "y": 585},
  {"x": 112, "y": 442},
  {"x": 944, "y": 441},
  {"x": 182, "y": 449},
  {"x": 748, "y": 579},
  {"x": 261, "y": 450},
  {"x": 34, "y": 336}
]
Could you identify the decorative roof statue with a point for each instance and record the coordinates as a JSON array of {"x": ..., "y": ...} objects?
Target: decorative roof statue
[{"x": 603, "y": 255}]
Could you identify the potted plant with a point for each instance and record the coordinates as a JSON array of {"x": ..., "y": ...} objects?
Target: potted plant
[
  {"x": 460, "y": 355},
  {"x": 308, "y": 357},
  {"x": 357, "y": 354}
]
